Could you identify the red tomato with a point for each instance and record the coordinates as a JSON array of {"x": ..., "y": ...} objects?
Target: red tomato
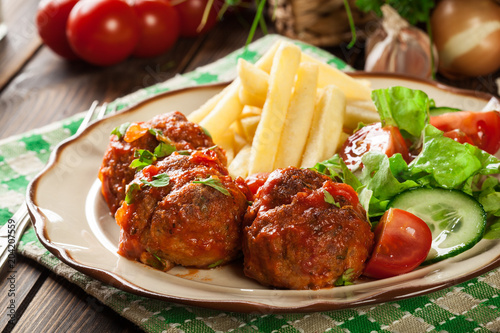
[
  {"x": 103, "y": 32},
  {"x": 374, "y": 137},
  {"x": 255, "y": 181},
  {"x": 402, "y": 242},
  {"x": 458, "y": 136},
  {"x": 191, "y": 15},
  {"x": 159, "y": 27},
  {"x": 483, "y": 128},
  {"x": 51, "y": 19}
]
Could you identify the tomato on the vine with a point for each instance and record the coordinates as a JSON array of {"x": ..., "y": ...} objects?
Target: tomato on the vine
[
  {"x": 483, "y": 128},
  {"x": 191, "y": 16},
  {"x": 103, "y": 32},
  {"x": 51, "y": 19},
  {"x": 159, "y": 27},
  {"x": 402, "y": 242}
]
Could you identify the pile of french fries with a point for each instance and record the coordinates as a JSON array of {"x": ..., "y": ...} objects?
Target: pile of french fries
[{"x": 289, "y": 109}]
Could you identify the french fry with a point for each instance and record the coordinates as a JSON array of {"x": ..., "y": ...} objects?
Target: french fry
[
  {"x": 227, "y": 143},
  {"x": 249, "y": 125},
  {"x": 253, "y": 79},
  {"x": 356, "y": 113},
  {"x": 281, "y": 80},
  {"x": 247, "y": 98},
  {"x": 239, "y": 165},
  {"x": 250, "y": 111},
  {"x": 266, "y": 61},
  {"x": 224, "y": 113},
  {"x": 326, "y": 127},
  {"x": 352, "y": 88},
  {"x": 199, "y": 114},
  {"x": 299, "y": 117}
]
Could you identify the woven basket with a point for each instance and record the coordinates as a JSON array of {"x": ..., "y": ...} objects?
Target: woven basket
[{"x": 317, "y": 22}]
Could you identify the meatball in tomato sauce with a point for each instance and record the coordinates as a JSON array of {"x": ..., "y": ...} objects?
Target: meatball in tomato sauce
[
  {"x": 184, "y": 210},
  {"x": 129, "y": 139},
  {"x": 305, "y": 231}
]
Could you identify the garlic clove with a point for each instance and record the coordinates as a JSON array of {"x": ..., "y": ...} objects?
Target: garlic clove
[{"x": 398, "y": 47}]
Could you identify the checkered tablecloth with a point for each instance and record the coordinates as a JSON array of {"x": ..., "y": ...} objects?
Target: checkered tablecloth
[{"x": 472, "y": 306}]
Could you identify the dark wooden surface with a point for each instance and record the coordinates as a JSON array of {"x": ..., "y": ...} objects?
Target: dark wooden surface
[{"x": 37, "y": 88}]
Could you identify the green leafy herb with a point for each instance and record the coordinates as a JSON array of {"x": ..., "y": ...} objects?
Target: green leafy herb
[
  {"x": 214, "y": 183},
  {"x": 120, "y": 131},
  {"x": 159, "y": 180},
  {"x": 329, "y": 199},
  {"x": 144, "y": 158},
  {"x": 131, "y": 191},
  {"x": 164, "y": 149},
  {"x": 346, "y": 278},
  {"x": 160, "y": 136},
  {"x": 215, "y": 264},
  {"x": 206, "y": 132}
]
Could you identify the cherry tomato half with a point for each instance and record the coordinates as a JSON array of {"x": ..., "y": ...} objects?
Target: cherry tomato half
[
  {"x": 51, "y": 19},
  {"x": 159, "y": 27},
  {"x": 103, "y": 32},
  {"x": 373, "y": 137},
  {"x": 483, "y": 128},
  {"x": 402, "y": 242},
  {"x": 191, "y": 15}
]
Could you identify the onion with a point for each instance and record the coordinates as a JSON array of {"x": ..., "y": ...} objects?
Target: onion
[{"x": 467, "y": 36}]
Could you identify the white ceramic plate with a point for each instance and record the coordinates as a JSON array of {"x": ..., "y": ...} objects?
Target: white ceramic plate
[{"x": 73, "y": 222}]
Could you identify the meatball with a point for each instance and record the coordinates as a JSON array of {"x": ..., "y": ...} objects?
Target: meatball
[
  {"x": 194, "y": 219},
  {"x": 305, "y": 231},
  {"x": 172, "y": 128}
]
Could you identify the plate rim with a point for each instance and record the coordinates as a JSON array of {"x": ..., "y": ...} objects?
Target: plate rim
[{"x": 39, "y": 222}]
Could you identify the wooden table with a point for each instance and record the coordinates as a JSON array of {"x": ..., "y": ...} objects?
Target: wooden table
[{"x": 37, "y": 88}]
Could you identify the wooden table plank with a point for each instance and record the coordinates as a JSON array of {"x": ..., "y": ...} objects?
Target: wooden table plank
[
  {"x": 17, "y": 286},
  {"x": 60, "y": 306},
  {"x": 22, "y": 39}
]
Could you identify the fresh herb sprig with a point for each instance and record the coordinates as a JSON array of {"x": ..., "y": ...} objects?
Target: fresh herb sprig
[
  {"x": 330, "y": 199},
  {"x": 120, "y": 130},
  {"x": 159, "y": 180},
  {"x": 214, "y": 183},
  {"x": 146, "y": 158}
]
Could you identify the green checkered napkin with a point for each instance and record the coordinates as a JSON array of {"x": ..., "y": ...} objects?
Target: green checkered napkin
[{"x": 472, "y": 306}]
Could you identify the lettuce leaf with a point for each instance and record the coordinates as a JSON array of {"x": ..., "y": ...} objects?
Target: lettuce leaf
[{"x": 403, "y": 107}]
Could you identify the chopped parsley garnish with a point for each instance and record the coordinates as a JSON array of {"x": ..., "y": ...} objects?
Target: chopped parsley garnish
[
  {"x": 346, "y": 278},
  {"x": 159, "y": 180},
  {"x": 215, "y": 264},
  {"x": 214, "y": 183},
  {"x": 160, "y": 136},
  {"x": 145, "y": 158},
  {"x": 120, "y": 131},
  {"x": 164, "y": 149},
  {"x": 131, "y": 190},
  {"x": 329, "y": 199},
  {"x": 206, "y": 132}
]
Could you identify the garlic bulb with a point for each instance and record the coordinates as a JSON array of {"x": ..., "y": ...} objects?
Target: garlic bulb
[{"x": 398, "y": 47}]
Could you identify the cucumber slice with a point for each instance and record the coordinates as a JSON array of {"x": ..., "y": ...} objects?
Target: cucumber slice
[{"x": 457, "y": 221}]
